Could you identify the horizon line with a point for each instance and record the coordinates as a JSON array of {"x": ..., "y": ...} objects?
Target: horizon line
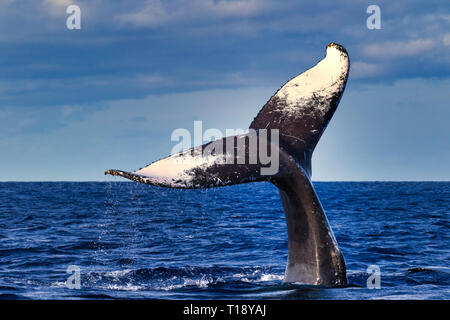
[{"x": 124, "y": 181}]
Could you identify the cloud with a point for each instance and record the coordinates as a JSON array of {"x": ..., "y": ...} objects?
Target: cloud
[
  {"x": 60, "y": 91},
  {"x": 446, "y": 39},
  {"x": 361, "y": 69},
  {"x": 398, "y": 49},
  {"x": 135, "y": 48},
  {"x": 157, "y": 12},
  {"x": 57, "y": 7}
]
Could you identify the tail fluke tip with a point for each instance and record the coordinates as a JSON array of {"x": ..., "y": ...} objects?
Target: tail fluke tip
[{"x": 111, "y": 172}]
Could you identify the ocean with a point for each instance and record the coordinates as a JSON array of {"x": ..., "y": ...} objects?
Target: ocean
[{"x": 130, "y": 241}]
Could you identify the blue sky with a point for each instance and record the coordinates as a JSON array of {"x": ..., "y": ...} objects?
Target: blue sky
[{"x": 76, "y": 102}]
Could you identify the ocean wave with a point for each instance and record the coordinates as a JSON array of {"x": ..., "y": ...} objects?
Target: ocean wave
[{"x": 175, "y": 278}]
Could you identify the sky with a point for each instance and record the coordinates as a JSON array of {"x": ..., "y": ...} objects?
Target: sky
[{"x": 109, "y": 95}]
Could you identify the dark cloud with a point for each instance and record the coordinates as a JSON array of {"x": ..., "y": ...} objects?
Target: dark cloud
[{"x": 194, "y": 45}]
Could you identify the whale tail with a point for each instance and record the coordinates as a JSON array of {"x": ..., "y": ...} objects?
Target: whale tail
[
  {"x": 302, "y": 108},
  {"x": 289, "y": 125}
]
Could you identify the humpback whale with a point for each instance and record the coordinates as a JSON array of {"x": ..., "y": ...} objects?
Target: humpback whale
[{"x": 298, "y": 112}]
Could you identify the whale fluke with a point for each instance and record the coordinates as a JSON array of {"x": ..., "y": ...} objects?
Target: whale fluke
[{"x": 290, "y": 124}]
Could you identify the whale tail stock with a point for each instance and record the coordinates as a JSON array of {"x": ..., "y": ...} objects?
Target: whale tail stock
[{"x": 290, "y": 124}]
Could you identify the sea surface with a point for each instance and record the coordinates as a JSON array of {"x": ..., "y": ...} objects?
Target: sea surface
[{"x": 132, "y": 241}]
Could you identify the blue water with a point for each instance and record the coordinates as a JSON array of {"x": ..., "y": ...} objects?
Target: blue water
[{"x": 135, "y": 241}]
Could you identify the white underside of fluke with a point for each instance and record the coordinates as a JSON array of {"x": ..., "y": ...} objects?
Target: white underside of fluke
[
  {"x": 321, "y": 82},
  {"x": 177, "y": 170}
]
